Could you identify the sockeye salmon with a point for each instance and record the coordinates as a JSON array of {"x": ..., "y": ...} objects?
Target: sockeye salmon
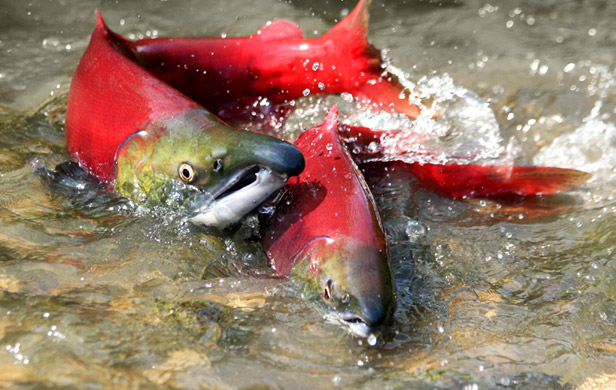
[
  {"x": 155, "y": 145},
  {"x": 327, "y": 231},
  {"x": 277, "y": 63},
  {"x": 138, "y": 119}
]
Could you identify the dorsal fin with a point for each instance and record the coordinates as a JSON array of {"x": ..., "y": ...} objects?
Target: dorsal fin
[
  {"x": 331, "y": 118},
  {"x": 279, "y": 29}
]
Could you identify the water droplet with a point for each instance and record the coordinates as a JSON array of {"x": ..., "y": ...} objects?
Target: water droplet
[
  {"x": 321, "y": 86},
  {"x": 371, "y": 339},
  {"x": 315, "y": 66},
  {"x": 347, "y": 97},
  {"x": 306, "y": 92},
  {"x": 336, "y": 380}
]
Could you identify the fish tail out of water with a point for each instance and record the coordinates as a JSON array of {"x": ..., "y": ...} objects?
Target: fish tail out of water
[{"x": 384, "y": 91}]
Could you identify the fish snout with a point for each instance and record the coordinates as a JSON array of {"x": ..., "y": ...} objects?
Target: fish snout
[
  {"x": 368, "y": 314},
  {"x": 281, "y": 157},
  {"x": 357, "y": 282}
]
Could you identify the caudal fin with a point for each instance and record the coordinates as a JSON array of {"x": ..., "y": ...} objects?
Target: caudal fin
[
  {"x": 356, "y": 23},
  {"x": 383, "y": 91},
  {"x": 475, "y": 181},
  {"x": 460, "y": 180}
]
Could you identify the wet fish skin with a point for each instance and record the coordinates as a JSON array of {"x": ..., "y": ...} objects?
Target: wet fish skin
[
  {"x": 327, "y": 231},
  {"x": 135, "y": 132},
  {"x": 277, "y": 63}
]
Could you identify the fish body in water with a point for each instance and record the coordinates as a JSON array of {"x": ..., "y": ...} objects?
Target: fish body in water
[
  {"x": 155, "y": 145},
  {"x": 327, "y": 231}
]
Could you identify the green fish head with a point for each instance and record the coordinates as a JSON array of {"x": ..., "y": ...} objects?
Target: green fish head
[
  {"x": 195, "y": 163},
  {"x": 352, "y": 278}
]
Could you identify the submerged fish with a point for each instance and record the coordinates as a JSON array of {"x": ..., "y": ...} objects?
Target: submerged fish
[
  {"x": 155, "y": 145},
  {"x": 277, "y": 63},
  {"x": 461, "y": 180},
  {"x": 327, "y": 231}
]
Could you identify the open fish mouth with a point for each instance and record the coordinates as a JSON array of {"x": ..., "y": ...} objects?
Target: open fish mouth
[
  {"x": 237, "y": 196},
  {"x": 356, "y": 324}
]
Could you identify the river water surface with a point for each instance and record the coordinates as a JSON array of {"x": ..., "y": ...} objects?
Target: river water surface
[{"x": 492, "y": 294}]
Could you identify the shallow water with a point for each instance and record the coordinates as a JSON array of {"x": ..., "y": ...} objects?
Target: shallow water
[{"x": 491, "y": 294}]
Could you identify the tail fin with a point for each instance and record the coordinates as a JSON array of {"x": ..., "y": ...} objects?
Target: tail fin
[
  {"x": 476, "y": 181},
  {"x": 384, "y": 92},
  {"x": 351, "y": 35},
  {"x": 355, "y": 23},
  {"x": 461, "y": 180}
]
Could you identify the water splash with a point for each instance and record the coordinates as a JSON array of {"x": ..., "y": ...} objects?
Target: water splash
[{"x": 590, "y": 148}]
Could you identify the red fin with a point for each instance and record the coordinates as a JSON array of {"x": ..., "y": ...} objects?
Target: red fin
[
  {"x": 279, "y": 29},
  {"x": 100, "y": 23},
  {"x": 356, "y": 22},
  {"x": 457, "y": 181},
  {"x": 331, "y": 119},
  {"x": 387, "y": 92},
  {"x": 353, "y": 31}
]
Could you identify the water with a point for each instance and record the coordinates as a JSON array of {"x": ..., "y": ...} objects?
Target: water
[{"x": 519, "y": 294}]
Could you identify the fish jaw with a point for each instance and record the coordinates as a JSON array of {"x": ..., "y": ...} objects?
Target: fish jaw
[
  {"x": 233, "y": 207},
  {"x": 232, "y": 171}
]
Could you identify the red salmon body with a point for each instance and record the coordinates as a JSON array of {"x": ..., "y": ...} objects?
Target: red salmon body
[
  {"x": 111, "y": 98},
  {"x": 276, "y": 63},
  {"x": 155, "y": 145},
  {"x": 327, "y": 229}
]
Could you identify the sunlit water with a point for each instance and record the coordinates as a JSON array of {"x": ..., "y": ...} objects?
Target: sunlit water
[{"x": 99, "y": 293}]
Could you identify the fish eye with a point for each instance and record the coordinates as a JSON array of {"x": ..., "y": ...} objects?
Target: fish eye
[
  {"x": 327, "y": 292},
  {"x": 217, "y": 165},
  {"x": 186, "y": 172}
]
